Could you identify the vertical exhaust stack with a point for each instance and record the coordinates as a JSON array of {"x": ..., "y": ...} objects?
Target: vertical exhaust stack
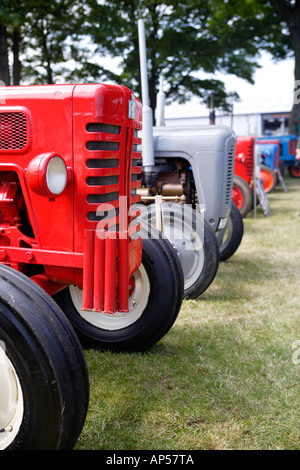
[
  {"x": 160, "y": 110},
  {"x": 147, "y": 131}
]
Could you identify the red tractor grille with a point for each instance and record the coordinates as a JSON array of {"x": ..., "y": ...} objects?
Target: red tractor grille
[
  {"x": 112, "y": 176},
  {"x": 250, "y": 160},
  {"x": 13, "y": 131},
  {"x": 112, "y": 171},
  {"x": 103, "y": 170},
  {"x": 135, "y": 178}
]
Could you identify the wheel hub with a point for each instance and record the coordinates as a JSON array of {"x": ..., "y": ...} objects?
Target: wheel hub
[
  {"x": 11, "y": 401},
  {"x": 188, "y": 244}
]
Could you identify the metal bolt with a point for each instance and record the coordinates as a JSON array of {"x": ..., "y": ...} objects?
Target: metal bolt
[
  {"x": 29, "y": 256},
  {"x": 7, "y": 429}
]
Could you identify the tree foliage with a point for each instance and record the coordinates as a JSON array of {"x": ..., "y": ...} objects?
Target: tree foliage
[
  {"x": 274, "y": 26},
  {"x": 289, "y": 13},
  {"x": 187, "y": 42},
  {"x": 183, "y": 40},
  {"x": 39, "y": 34}
]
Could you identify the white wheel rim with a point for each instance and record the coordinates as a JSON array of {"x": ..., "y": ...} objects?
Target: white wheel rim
[
  {"x": 187, "y": 242},
  {"x": 137, "y": 303},
  {"x": 11, "y": 401},
  {"x": 189, "y": 248}
]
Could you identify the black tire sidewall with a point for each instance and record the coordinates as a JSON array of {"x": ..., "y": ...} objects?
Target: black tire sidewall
[
  {"x": 245, "y": 189},
  {"x": 236, "y": 234},
  {"x": 210, "y": 265},
  {"x": 292, "y": 173},
  {"x": 49, "y": 363},
  {"x": 26, "y": 359}
]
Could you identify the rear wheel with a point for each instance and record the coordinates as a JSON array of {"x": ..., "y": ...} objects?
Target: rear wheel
[
  {"x": 43, "y": 375},
  {"x": 269, "y": 178},
  {"x": 194, "y": 242},
  {"x": 294, "y": 171},
  {"x": 242, "y": 195},
  {"x": 230, "y": 237},
  {"x": 155, "y": 301}
]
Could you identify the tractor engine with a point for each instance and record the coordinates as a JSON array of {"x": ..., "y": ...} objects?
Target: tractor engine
[{"x": 174, "y": 180}]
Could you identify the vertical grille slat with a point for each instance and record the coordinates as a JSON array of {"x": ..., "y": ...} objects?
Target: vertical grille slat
[
  {"x": 105, "y": 164},
  {"x": 136, "y": 169},
  {"x": 103, "y": 144},
  {"x": 250, "y": 161},
  {"x": 230, "y": 171}
]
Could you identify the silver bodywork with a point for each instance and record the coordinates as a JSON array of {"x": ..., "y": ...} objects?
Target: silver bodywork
[{"x": 210, "y": 151}]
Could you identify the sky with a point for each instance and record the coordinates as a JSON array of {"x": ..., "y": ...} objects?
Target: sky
[{"x": 272, "y": 91}]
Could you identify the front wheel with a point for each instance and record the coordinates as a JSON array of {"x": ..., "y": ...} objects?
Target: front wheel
[
  {"x": 294, "y": 171},
  {"x": 269, "y": 178},
  {"x": 230, "y": 237},
  {"x": 154, "y": 303},
  {"x": 242, "y": 195},
  {"x": 44, "y": 388}
]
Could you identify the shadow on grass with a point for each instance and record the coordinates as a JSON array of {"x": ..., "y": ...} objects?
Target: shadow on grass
[
  {"x": 238, "y": 277},
  {"x": 228, "y": 380},
  {"x": 197, "y": 376},
  {"x": 192, "y": 380}
]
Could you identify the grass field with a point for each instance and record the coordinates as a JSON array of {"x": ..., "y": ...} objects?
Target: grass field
[{"x": 227, "y": 374}]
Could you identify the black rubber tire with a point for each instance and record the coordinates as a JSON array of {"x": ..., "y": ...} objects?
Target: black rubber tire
[
  {"x": 163, "y": 304},
  {"x": 294, "y": 170},
  {"x": 210, "y": 266},
  {"x": 231, "y": 236},
  {"x": 247, "y": 196},
  {"x": 210, "y": 246},
  {"x": 49, "y": 363}
]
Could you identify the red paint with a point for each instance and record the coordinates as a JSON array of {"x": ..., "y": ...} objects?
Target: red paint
[
  {"x": 88, "y": 127},
  {"x": 244, "y": 158}
]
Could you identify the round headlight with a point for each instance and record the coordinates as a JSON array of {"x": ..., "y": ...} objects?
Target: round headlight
[
  {"x": 47, "y": 175},
  {"x": 56, "y": 175},
  {"x": 240, "y": 157}
]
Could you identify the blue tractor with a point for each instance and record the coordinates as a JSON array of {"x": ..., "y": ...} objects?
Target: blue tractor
[
  {"x": 269, "y": 163},
  {"x": 288, "y": 145}
]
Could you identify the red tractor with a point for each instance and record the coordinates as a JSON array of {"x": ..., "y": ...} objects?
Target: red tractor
[
  {"x": 73, "y": 257},
  {"x": 243, "y": 174},
  {"x": 248, "y": 175}
]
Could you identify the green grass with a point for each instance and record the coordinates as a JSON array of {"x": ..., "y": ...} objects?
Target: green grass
[{"x": 225, "y": 376}]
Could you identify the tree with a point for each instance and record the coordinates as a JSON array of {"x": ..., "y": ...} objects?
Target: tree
[
  {"x": 4, "y": 69},
  {"x": 183, "y": 38},
  {"x": 289, "y": 12},
  {"x": 47, "y": 35},
  {"x": 274, "y": 26},
  {"x": 43, "y": 34},
  {"x": 11, "y": 17},
  {"x": 187, "y": 42}
]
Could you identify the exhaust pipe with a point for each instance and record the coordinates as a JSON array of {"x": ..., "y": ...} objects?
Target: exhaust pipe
[
  {"x": 147, "y": 131},
  {"x": 160, "y": 108}
]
